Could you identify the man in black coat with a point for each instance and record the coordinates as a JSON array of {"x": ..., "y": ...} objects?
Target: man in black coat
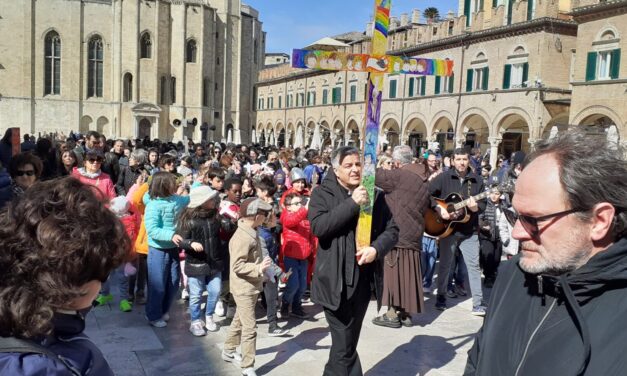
[
  {"x": 343, "y": 274},
  {"x": 559, "y": 306}
]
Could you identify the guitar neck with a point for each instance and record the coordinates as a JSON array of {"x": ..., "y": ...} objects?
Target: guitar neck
[{"x": 463, "y": 204}]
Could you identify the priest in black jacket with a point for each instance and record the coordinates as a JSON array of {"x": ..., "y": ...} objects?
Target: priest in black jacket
[{"x": 343, "y": 274}]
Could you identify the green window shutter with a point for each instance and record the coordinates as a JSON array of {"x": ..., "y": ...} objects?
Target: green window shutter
[
  {"x": 529, "y": 9},
  {"x": 615, "y": 64},
  {"x": 507, "y": 75},
  {"x": 591, "y": 67},
  {"x": 423, "y": 85},
  {"x": 495, "y": 3},
  {"x": 353, "y": 93},
  {"x": 467, "y": 12},
  {"x": 469, "y": 80},
  {"x": 451, "y": 81},
  {"x": 392, "y": 89},
  {"x": 314, "y": 98},
  {"x": 437, "y": 85},
  {"x": 280, "y": 101},
  {"x": 486, "y": 78},
  {"x": 525, "y": 77},
  {"x": 411, "y": 87},
  {"x": 325, "y": 96}
]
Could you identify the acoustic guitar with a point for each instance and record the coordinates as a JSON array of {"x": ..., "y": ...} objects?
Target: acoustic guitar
[{"x": 454, "y": 203}]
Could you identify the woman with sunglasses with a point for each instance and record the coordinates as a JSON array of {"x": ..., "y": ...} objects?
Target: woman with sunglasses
[
  {"x": 92, "y": 175},
  {"x": 25, "y": 170}
]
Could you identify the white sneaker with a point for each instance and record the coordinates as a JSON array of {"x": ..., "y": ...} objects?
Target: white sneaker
[
  {"x": 165, "y": 317},
  {"x": 210, "y": 325},
  {"x": 196, "y": 328},
  {"x": 232, "y": 357},
  {"x": 250, "y": 371},
  {"x": 159, "y": 323},
  {"x": 220, "y": 311},
  {"x": 230, "y": 312},
  {"x": 185, "y": 295}
]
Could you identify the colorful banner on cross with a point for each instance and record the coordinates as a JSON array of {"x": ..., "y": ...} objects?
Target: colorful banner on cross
[
  {"x": 377, "y": 64},
  {"x": 339, "y": 61}
]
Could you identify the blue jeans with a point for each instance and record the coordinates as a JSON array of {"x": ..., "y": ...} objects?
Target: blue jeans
[
  {"x": 297, "y": 284},
  {"x": 163, "y": 281},
  {"x": 212, "y": 283},
  {"x": 427, "y": 260},
  {"x": 117, "y": 275},
  {"x": 469, "y": 247}
]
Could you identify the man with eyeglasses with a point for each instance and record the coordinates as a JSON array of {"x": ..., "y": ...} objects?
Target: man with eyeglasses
[{"x": 558, "y": 307}]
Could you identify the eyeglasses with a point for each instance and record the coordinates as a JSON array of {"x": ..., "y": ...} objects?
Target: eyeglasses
[
  {"x": 94, "y": 160},
  {"x": 530, "y": 224},
  {"x": 297, "y": 203},
  {"x": 27, "y": 173}
]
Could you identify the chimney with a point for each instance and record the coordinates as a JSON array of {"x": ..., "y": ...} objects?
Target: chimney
[
  {"x": 404, "y": 19},
  {"x": 450, "y": 15},
  {"x": 415, "y": 16},
  {"x": 393, "y": 23},
  {"x": 369, "y": 28}
]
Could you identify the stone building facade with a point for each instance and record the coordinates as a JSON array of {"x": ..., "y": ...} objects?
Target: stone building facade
[
  {"x": 517, "y": 79},
  {"x": 130, "y": 68}
]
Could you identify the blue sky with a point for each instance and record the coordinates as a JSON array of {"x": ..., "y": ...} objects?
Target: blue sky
[{"x": 294, "y": 24}]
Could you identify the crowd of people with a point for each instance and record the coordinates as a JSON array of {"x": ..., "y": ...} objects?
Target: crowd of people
[{"x": 245, "y": 225}]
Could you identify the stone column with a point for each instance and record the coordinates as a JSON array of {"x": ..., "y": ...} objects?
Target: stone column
[
  {"x": 494, "y": 149},
  {"x": 532, "y": 142}
]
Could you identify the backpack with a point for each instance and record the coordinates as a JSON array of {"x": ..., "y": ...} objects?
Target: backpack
[{"x": 16, "y": 345}]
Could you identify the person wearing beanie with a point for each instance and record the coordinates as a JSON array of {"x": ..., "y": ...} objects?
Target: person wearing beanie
[
  {"x": 299, "y": 186},
  {"x": 129, "y": 217},
  {"x": 199, "y": 226},
  {"x": 247, "y": 269}
]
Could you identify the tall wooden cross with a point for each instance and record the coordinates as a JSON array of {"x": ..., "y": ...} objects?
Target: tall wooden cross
[{"x": 377, "y": 64}]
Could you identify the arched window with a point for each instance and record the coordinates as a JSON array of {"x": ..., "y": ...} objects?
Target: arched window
[
  {"x": 52, "y": 55},
  {"x": 603, "y": 61},
  {"x": 516, "y": 71},
  {"x": 145, "y": 46},
  {"x": 128, "y": 88},
  {"x": 477, "y": 77},
  {"x": 95, "y": 67},
  {"x": 190, "y": 51}
]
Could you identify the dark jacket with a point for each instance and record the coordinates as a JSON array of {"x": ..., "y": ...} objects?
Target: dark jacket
[
  {"x": 205, "y": 231},
  {"x": 6, "y": 189},
  {"x": 68, "y": 342},
  {"x": 568, "y": 325},
  {"x": 407, "y": 195},
  {"x": 333, "y": 216},
  {"x": 488, "y": 219},
  {"x": 111, "y": 166},
  {"x": 449, "y": 182},
  {"x": 128, "y": 176}
]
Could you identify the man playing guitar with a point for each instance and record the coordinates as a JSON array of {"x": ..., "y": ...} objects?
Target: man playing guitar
[{"x": 461, "y": 180}]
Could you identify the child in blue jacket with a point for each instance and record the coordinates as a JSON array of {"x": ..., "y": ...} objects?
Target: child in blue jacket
[{"x": 163, "y": 206}]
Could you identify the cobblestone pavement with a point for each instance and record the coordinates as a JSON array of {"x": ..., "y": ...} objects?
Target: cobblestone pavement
[{"x": 436, "y": 345}]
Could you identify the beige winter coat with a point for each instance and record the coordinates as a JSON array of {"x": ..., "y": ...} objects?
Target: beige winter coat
[{"x": 245, "y": 251}]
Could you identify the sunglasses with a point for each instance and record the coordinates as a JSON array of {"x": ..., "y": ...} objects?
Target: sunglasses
[
  {"x": 94, "y": 160},
  {"x": 27, "y": 173},
  {"x": 530, "y": 224}
]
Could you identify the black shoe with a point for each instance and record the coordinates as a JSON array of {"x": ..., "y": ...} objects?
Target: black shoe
[
  {"x": 460, "y": 290},
  {"x": 386, "y": 321},
  {"x": 406, "y": 321},
  {"x": 276, "y": 331},
  {"x": 451, "y": 294},
  {"x": 440, "y": 303}
]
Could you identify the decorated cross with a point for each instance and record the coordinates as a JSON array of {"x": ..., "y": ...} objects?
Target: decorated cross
[{"x": 377, "y": 64}]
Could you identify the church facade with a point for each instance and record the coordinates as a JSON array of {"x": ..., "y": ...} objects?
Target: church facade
[{"x": 168, "y": 69}]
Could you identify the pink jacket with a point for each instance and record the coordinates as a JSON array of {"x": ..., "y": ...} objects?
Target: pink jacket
[{"x": 102, "y": 182}]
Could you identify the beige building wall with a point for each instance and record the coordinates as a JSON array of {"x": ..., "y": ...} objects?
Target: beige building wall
[
  {"x": 216, "y": 28},
  {"x": 600, "y": 101}
]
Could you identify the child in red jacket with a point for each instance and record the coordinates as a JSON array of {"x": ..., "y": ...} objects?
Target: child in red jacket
[
  {"x": 129, "y": 217},
  {"x": 296, "y": 247}
]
